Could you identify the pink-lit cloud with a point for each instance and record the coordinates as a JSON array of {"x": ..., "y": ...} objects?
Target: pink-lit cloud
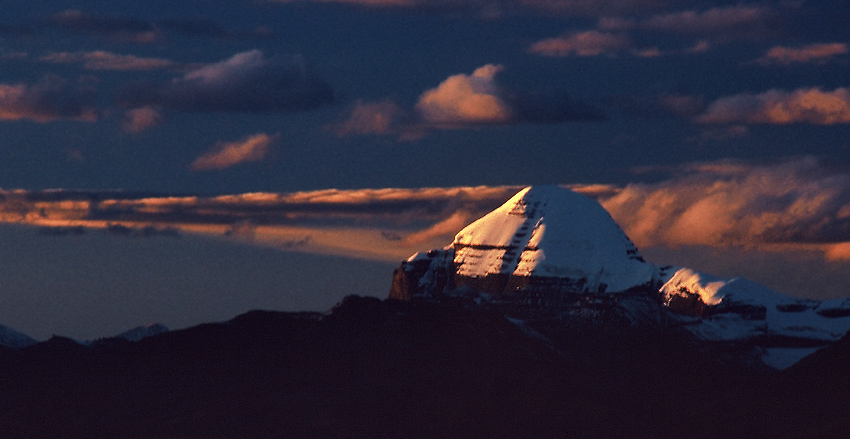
[
  {"x": 461, "y": 101},
  {"x": 102, "y": 60},
  {"x": 227, "y": 154},
  {"x": 796, "y": 203},
  {"x": 247, "y": 82},
  {"x": 139, "y": 119},
  {"x": 725, "y": 20},
  {"x": 381, "y": 118},
  {"x": 588, "y": 43},
  {"x": 50, "y": 99},
  {"x": 812, "y": 53},
  {"x": 777, "y": 107},
  {"x": 465, "y": 99}
]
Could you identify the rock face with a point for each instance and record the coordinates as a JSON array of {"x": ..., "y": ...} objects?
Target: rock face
[{"x": 549, "y": 253}]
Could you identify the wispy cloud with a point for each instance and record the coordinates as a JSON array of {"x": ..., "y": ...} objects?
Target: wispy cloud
[
  {"x": 50, "y": 99},
  {"x": 139, "y": 119},
  {"x": 115, "y": 28},
  {"x": 102, "y": 60},
  {"x": 796, "y": 203},
  {"x": 383, "y": 117},
  {"x": 588, "y": 43},
  {"x": 725, "y": 21},
  {"x": 227, "y": 154},
  {"x": 777, "y": 107},
  {"x": 246, "y": 82},
  {"x": 812, "y": 53}
]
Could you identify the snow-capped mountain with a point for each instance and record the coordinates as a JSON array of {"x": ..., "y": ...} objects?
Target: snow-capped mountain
[
  {"x": 550, "y": 251},
  {"x": 14, "y": 339}
]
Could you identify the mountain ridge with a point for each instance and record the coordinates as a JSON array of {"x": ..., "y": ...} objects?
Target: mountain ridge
[{"x": 575, "y": 258}]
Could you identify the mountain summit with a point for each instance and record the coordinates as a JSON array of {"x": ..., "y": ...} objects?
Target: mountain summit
[
  {"x": 551, "y": 254},
  {"x": 543, "y": 238}
]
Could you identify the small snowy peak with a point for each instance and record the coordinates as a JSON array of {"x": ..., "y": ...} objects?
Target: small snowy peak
[
  {"x": 789, "y": 328},
  {"x": 551, "y": 231},
  {"x": 141, "y": 332},
  {"x": 14, "y": 339}
]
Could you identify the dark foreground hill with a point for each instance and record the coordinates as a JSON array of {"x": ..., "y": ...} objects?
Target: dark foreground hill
[{"x": 373, "y": 368}]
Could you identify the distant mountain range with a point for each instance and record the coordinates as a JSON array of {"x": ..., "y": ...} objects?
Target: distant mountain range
[{"x": 541, "y": 319}]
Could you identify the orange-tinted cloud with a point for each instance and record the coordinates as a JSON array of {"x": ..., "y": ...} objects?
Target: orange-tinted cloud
[
  {"x": 48, "y": 100},
  {"x": 720, "y": 20},
  {"x": 250, "y": 149},
  {"x": 102, "y": 60},
  {"x": 735, "y": 204},
  {"x": 838, "y": 252},
  {"x": 816, "y": 53},
  {"x": 139, "y": 119},
  {"x": 589, "y": 43},
  {"x": 465, "y": 99},
  {"x": 811, "y": 105},
  {"x": 380, "y": 118},
  {"x": 462, "y": 101}
]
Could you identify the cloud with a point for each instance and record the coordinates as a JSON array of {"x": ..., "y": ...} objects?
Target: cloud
[
  {"x": 227, "y": 154},
  {"x": 247, "y": 82},
  {"x": 589, "y": 43},
  {"x": 477, "y": 99},
  {"x": 776, "y": 107},
  {"x": 50, "y": 99},
  {"x": 665, "y": 104},
  {"x": 465, "y": 99},
  {"x": 139, "y": 119},
  {"x": 812, "y": 53},
  {"x": 723, "y": 21},
  {"x": 722, "y": 204},
  {"x": 490, "y": 8},
  {"x": 381, "y": 118},
  {"x": 101, "y": 60},
  {"x": 114, "y": 28}
]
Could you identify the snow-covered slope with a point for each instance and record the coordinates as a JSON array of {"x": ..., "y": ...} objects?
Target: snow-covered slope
[
  {"x": 738, "y": 310},
  {"x": 551, "y": 232},
  {"x": 14, "y": 339}
]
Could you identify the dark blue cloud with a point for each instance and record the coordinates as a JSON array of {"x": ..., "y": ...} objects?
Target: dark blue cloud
[{"x": 247, "y": 82}]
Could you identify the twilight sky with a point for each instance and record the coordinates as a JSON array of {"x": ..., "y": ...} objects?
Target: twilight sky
[{"x": 716, "y": 133}]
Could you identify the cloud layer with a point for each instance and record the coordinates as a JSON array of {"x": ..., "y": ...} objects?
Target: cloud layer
[
  {"x": 247, "y": 82},
  {"x": 798, "y": 204}
]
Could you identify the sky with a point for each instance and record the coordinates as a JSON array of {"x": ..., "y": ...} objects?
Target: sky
[{"x": 715, "y": 133}]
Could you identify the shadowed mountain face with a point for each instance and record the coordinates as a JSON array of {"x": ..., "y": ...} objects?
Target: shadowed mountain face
[{"x": 374, "y": 368}]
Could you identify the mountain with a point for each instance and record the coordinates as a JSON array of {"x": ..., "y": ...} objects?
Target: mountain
[
  {"x": 550, "y": 253},
  {"x": 414, "y": 369},
  {"x": 488, "y": 337},
  {"x": 13, "y": 339},
  {"x": 140, "y": 332}
]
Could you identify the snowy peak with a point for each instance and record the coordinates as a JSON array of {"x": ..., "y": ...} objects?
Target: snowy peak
[
  {"x": 551, "y": 232},
  {"x": 787, "y": 329}
]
